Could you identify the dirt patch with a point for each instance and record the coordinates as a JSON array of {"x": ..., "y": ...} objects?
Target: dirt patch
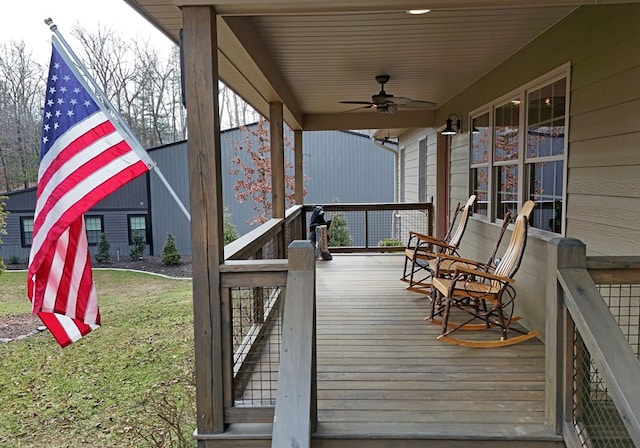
[
  {"x": 18, "y": 326},
  {"x": 22, "y": 325}
]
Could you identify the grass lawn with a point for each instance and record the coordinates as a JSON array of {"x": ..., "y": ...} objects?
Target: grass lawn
[{"x": 128, "y": 384}]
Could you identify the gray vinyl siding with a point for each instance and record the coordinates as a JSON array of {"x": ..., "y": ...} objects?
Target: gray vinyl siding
[{"x": 603, "y": 192}]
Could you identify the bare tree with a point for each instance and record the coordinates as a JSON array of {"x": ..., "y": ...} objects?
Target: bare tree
[
  {"x": 21, "y": 93},
  {"x": 143, "y": 85},
  {"x": 252, "y": 165}
]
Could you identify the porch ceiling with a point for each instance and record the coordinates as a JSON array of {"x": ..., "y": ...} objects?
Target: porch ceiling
[{"x": 313, "y": 54}]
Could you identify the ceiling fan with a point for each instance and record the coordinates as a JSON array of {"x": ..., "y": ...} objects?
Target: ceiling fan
[{"x": 387, "y": 103}]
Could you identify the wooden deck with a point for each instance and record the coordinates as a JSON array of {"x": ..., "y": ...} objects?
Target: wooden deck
[
  {"x": 383, "y": 374},
  {"x": 385, "y": 381}
]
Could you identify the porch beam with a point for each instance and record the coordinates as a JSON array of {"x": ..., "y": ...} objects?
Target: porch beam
[{"x": 205, "y": 186}]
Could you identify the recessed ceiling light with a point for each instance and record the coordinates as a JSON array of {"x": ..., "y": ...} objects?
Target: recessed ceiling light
[{"x": 418, "y": 11}]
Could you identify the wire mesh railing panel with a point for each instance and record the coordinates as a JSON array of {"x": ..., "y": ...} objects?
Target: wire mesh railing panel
[
  {"x": 623, "y": 301},
  {"x": 257, "y": 330},
  {"x": 374, "y": 229},
  {"x": 410, "y": 220},
  {"x": 595, "y": 417}
]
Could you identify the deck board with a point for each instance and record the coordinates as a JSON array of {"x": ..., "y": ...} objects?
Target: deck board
[{"x": 379, "y": 362}]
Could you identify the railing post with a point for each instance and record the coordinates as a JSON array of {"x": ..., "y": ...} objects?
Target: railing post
[
  {"x": 562, "y": 253},
  {"x": 295, "y": 415}
]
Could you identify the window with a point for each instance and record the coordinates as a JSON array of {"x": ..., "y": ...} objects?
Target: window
[
  {"x": 26, "y": 231},
  {"x": 94, "y": 226},
  {"x": 138, "y": 223},
  {"x": 480, "y": 150},
  {"x": 518, "y": 152},
  {"x": 544, "y": 161}
]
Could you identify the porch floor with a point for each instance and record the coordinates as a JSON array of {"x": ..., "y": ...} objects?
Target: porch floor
[
  {"x": 384, "y": 380},
  {"x": 381, "y": 371}
]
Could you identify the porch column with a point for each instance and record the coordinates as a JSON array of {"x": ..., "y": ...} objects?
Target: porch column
[
  {"x": 205, "y": 186},
  {"x": 298, "y": 162},
  {"x": 277, "y": 160}
]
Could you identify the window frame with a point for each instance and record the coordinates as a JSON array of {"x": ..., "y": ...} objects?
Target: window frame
[
  {"x": 98, "y": 217},
  {"x": 23, "y": 242},
  {"x": 524, "y": 161},
  {"x": 130, "y": 230}
]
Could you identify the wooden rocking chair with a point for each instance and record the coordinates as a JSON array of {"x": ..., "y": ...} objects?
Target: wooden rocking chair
[
  {"x": 421, "y": 248},
  {"x": 485, "y": 296}
]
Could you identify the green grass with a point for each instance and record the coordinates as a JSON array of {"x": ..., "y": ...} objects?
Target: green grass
[{"x": 114, "y": 387}]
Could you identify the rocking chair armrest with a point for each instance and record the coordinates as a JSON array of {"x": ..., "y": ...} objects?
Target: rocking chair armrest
[
  {"x": 440, "y": 244},
  {"x": 423, "y": 236},
  {"x": 450, "y": 257},
  {"x": 488, "y": 275}
]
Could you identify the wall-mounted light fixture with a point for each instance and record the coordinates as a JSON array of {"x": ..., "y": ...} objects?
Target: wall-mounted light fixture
[{"x": 449, "y": 129}]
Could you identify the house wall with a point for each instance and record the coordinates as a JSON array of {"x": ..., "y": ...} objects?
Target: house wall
[
  {"x": 130, "y": 199},
  {"x": 603, "y": 194}
]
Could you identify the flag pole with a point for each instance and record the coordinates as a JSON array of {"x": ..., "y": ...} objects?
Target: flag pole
[{"x": 108, "y": 109}]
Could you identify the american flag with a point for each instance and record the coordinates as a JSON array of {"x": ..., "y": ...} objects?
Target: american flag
[{"x": 83, "y": 158}]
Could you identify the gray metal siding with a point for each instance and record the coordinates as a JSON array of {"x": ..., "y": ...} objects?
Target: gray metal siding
[
  {"x": 166, "y": 215},
  {"x": 346, "y": 166}
]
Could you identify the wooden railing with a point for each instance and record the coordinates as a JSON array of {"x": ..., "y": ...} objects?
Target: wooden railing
[
  {"x": 592, "y": 370},
  {"x": 377, "y": 227}
]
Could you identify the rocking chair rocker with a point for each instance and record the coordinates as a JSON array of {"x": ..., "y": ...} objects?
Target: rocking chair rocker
[{"x": 483, "y": 295}]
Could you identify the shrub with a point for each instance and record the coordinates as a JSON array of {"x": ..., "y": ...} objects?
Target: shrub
[
  {"x": 390, "y": 242},
  {"x": 13, "y": 259},
  {"x": 170, "y": 255},
  {"x": 103, "y": 250},
  {"x": 338, "y": 232},
  {"x": 139, "y": 245},
  {"x": 230, "y": 233}
]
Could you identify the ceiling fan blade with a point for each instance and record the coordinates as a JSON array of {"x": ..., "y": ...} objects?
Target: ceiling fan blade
[
  {"x": 398, "y": 100},
  {"x": 417, "y": 104},
  {"x": 368, "y": 106},
  {"x": 357, "y": 102}
]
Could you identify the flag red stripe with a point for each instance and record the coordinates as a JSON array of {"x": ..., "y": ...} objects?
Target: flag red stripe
[
  {"x": 76, "y": 147},
  {"x": 51, "y": 321}
]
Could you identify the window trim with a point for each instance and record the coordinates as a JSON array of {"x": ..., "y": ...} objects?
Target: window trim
[{"x": 563, "y": 71}]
